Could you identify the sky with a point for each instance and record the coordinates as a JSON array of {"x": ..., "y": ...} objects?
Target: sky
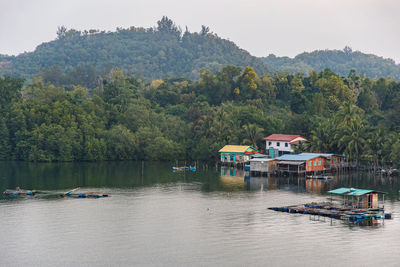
[{"x": 262, "y": 27}]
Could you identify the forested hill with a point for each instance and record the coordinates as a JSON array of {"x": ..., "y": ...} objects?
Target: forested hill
[
  {"x": 167, "y": 51},
  {"x": 153, "y": 53},
  {"x": 339, "y": 61}
]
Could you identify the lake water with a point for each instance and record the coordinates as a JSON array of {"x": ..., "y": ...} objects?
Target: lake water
[{"x": 156, "y": 217}]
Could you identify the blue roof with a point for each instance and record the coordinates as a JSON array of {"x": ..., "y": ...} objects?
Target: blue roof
[
  {"x": 259, "y": 156},
  {"x": 322, "y": 154},
  {"x": 353, "y": 191},
  {"x": 296, "y": 157}
]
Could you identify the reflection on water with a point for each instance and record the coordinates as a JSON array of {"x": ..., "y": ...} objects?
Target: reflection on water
[
  {"x": 63, "y": 176},
  {"x": 211, "y": 217},
  {"x": 318, "y": 185},
  {"x": 230, "y": 175}
]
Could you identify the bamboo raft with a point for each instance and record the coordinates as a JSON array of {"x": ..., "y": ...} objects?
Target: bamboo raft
[{"x": 335, "y": 211}]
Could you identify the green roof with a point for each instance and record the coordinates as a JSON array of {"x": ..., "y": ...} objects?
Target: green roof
[
  {"x": 340, "y": 191},
  {"x": 353, "y": 191}
]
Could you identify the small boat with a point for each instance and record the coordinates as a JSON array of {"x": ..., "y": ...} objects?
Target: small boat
[
  {"x": 19, "y": 192},
  {"x": 193, "y": 169},
  {"x": 320, "y": 176}
]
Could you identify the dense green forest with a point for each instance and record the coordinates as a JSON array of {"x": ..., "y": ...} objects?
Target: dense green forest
[
  {"x": 125, "y": 117},
  {"x": 167, "y": 51},
  {"x": 339, "y": 61},
  {"x": 159, "y": 52}
]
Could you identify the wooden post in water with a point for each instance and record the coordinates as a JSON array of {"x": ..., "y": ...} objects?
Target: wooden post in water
[{"x": 142, "y": 172}]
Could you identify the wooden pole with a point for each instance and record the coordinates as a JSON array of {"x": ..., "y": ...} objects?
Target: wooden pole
[{"x": 70, "y": 191}]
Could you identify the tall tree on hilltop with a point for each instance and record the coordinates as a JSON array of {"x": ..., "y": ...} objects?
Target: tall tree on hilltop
[{"x": 166, "y": 25}]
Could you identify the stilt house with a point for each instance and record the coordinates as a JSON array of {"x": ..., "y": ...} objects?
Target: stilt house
[
  {"x": 279, "y": 144},
  {"x": 236, "y": 154}
]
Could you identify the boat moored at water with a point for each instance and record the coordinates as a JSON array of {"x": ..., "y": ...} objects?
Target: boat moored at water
[{"x": 190, "y": 168}]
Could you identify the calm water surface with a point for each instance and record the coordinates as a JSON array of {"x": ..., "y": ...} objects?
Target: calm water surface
[{"x": 160, "y": 218}]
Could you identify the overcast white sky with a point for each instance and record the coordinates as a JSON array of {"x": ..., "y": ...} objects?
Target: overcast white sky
[{"x": 281, "y": 27}]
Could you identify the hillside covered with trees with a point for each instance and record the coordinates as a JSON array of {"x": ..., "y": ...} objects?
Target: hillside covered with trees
[
  {"x": 339, "y": 61},
  {"x": 126, "y": 117},
  {"x": 168, "y": 51},
  {"x": 153, "y": 53}
]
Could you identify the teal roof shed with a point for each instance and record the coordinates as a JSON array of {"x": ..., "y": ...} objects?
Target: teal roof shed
[{"x": 353, "y": 191}]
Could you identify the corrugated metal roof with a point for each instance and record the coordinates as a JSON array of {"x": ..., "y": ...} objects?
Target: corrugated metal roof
[
  {"x": 236, "y": 149},
  {"x": 297, "y": 157},
  {"x": 340, "y": 191},
  {"x": 360, "y": 192},
  {"x": 259, "y": 156},
  {"x": 287, "y": 162},
  {"x": 262, "y": 159},
  {"x": 353, "y": 191},
  {"x": 282, "y": 137},
  {"x": 322, "y": 154}
]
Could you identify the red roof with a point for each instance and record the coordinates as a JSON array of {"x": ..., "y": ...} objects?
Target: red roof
[{"x": 282, "y": 137}]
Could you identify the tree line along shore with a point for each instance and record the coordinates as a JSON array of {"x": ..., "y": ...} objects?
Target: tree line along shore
[{"x": 125, "y": 117}]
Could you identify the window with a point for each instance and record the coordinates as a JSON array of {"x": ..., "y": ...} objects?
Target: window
[
  {"x": 315, "y": 163},
  {"x": 278, "y": 144},
  {"x": 319, "y": 163},
  {"x": 334, "y": 159},
  {"x": 286, "y": 144},
  {"x": 310, "y": 163},
  {"x": 269, "y": 143}
]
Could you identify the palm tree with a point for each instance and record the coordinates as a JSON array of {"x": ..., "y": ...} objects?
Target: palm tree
[
  {"x": 348, "y": 113},
  {"x": 301, "y": 147},
  {"x": 376, "y": 140},
  {"x": 253, "y": 133},
  {"x": 352, "y": 140},
  {"x": 322, "y": 137}
]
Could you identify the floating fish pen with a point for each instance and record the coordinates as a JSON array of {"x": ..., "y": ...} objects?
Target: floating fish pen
[
  {"x": 19, "y": 192},
  {"x": 85, "y": 195},
  {"x": 364, "y": 206},
  {"x": 70, "y": 194}
]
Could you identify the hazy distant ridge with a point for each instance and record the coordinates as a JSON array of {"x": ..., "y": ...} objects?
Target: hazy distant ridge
[{"x": 339, "y": 61}]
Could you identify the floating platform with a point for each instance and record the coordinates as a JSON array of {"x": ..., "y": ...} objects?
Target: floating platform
[
  {"x": 85, "y": 195},
  {"x": 335, "y": 211},
  {"x": 19, "y": 192}
]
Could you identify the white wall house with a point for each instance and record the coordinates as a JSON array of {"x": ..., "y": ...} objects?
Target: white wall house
[{"x": 279, "y": 144}]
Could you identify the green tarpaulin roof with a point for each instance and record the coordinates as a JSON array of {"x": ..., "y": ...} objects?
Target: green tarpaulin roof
[{"x": 353, "y": 191}]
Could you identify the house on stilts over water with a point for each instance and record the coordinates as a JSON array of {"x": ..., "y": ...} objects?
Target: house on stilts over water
[{"x": 236, "y": 155}]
